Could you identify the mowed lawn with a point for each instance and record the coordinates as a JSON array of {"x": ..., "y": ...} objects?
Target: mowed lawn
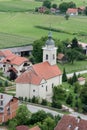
[
  {"x": 20, "y": 28},
  {"x": 25, "y": 5},
  {"x": 18, "y": 5},
  {"x": 18, "y": 25},
  {"x": 76, "y": 67}
]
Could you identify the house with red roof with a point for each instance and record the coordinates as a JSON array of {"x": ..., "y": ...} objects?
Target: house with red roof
[
  {"x": 42, "y": 9},
  {"x": 4, "y": 54},
  {"x": 15, "y": 63},
  {"x": 81, "y": 10},
  {"x": 71, "y": 123},
  {"x": 22, "y": 127},
  {"x": 40, "y": 79},
  {"x": 8, "y": 107},
  {"x": 84, "y": 47},
  {"x": 72, "y": 11},
  {"x": 81, "y": 80},
  {"x": 61, "y": 58}
]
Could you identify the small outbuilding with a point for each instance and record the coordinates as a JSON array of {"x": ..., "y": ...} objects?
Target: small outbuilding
[{"x": 81, "y": 80}]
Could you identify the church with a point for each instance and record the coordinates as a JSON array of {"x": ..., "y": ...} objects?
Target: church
[{"x": 40, "y": 78}]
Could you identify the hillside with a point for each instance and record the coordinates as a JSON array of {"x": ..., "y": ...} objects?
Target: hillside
[{"x": 20, "y": 26}]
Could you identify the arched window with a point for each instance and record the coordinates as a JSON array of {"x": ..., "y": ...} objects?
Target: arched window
[
  {"x": 53, "y": 56},
  {"x": 46, "y": 88},
  {"x": 46, "y": 57}
]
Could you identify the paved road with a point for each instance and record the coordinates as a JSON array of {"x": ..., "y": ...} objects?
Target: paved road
[
  {"x": 34, "y": 109},
  {"x": 77, "y": 73}
]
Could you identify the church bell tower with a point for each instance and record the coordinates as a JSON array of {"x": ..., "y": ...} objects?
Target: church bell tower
[{"x": 49, "y": 50}]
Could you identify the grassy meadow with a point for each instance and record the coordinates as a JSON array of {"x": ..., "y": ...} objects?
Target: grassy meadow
[
  {"x": 77, "y": 66},
  {"x": 19, "y": 26}
]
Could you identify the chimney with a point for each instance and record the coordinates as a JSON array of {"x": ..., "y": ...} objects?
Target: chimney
[
  {"x": 78, "y": 119},
  {"x": 76, "y": 128},
  {"x": 69, "y": 127}
]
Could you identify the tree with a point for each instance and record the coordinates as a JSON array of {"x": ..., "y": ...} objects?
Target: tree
[
  {"x": 85, "y": 10},
  {"x": 54, "y": 6},
  {"x": 38, "y": 117},
  {"x": 74, "y": 43},
  {"x": 37, "y": 49},
  {"x": 49, "y": 123},
  {"x": 63, "y": 6},
  {"x": 64, "y": 77},
  {"x": 71, "y": 5},
  {"x": 69, "y": 99},
  {"x": 74, "y": 78},
  {"x": 12, "y": 124},
  {"x": 72, "y": 55},
  {"x": 83, "y": 95},
  {"x": 67, "y": 16},
  {"x": 31, "y": 59},
  {"x": 58, "y": 96},
  {"x": 77, "y": 87},
  {"x": 23, "y": 115},
  {"x": 57, "y": 118},
  {"x": 47, "y": 3}
]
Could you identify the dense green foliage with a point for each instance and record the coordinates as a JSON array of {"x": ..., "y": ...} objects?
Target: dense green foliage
[
  {"x": 41, "y": 118},
  {"x": 37, "y": 49},
  {"x": 23, "y": 115},
  {"x": 64, "y": 76},
  {"x": 65, "y": 5},
  {"x": 58, "y": 97}
]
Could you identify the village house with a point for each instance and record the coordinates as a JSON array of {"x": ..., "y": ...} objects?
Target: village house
[
  {"x": 72, "y": 11},
  {"x": 8, "y": 107},
  {"x": 4, "y": 54},
  {"x": 42, "y": 9},
  {"x": 84, "y": 47},
  {"x": 71, "y": 123},
  {"x": 81, "y": 80},
  {"x": 61, "y": 58},
  {"x": 15, "y": 63},
  {"x": 81, "y": 10},
  {"x": 22, "y": 50},
  {"x": 40, "y": 79}
]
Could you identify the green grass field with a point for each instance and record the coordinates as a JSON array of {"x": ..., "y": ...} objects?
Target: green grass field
[
  {"x": 18, "y": 26},
  {"x": 77, "y": 66}
]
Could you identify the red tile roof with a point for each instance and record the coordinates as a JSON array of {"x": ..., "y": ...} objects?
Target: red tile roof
[
  {"x": 22, "y": 127},
  {"x": 38, "y": 72},
  {"x": 14, "y": 59},
  {"x": 81, "y": 79},
  {"x": 5, "y": 53},
  {"x": 35, "y": 128},
  {"x": 70, "y": 123},
  {"x": 72, "y": 10}
]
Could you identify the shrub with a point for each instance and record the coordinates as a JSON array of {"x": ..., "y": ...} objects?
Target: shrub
[
  {"x": 44, "y": 102},
  {"x": 6, "y": 83}
]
